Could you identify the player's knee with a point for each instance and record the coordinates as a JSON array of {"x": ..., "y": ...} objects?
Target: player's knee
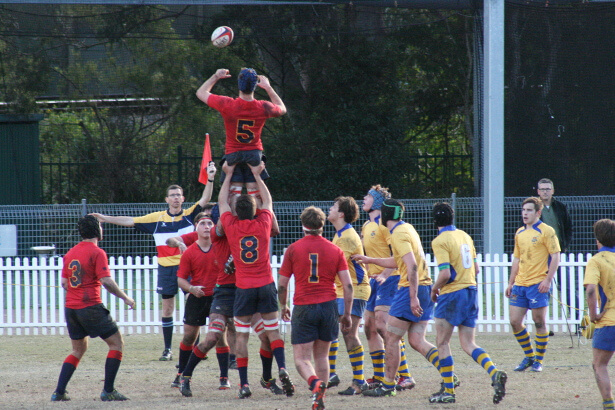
[
  {"x": 271, "y": 325},
  {"x": 539, "y": 324},
  {"x": 259, "y": 328},
  {"x": 398, "y": 332},
  {"x": 242, "y": 328},
  {"x": 217, "y": 326}
]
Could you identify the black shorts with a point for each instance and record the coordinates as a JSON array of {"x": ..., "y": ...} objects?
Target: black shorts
[
  {"x": 93, "y": 321},
  {"x": 167, "y": 280},
  {"x": 315, "y": 322},
  {"x": 196, "y": 310},
  {"x": 224, "y": 300},
  {"x": 251, "y": 301},
  {"x": 242, "y": 172}
]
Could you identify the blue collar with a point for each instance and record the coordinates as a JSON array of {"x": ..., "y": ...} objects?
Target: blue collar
[
  {"x": 607, "y": 249},
  {"x": 339, "y": 233},
  {"x": 377, "y": 219},
  {"x": 396, "y": 225},
  {"x": 448, "y": 228}
]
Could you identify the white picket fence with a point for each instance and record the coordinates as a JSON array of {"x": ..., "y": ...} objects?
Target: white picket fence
[{"x": 32, "y": 299}]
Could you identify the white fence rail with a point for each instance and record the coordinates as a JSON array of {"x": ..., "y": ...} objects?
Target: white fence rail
[{"x": 32, "y": 300}]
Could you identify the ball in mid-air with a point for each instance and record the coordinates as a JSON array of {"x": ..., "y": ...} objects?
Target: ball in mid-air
[{"x": 222, "y": 36}]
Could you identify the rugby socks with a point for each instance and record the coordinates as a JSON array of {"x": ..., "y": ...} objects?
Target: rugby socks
[
  {"x": 313, "y": 381},
  {"x": 482, "y": 358},
  {"x": 184, "y": 356},
  {"x": 222, "y": 353},
  {"x": 68, "y": 368},
  {"x": 357, "y": 356},
  {"x": 403, "y": 369},
  {"x": 433, "y": 358},
  {"x": 267, "y": 360},
  {"x": 335, "y": 345},
  {"x": 523, "y": 337},
  {"x": 378, "y": 363},
  {"x": 112, "y": 365},
  {"x": 277, "y": 347},
  {"x": 242, "y": 367},
  {"x": 167, "y": 331},
  {"x": 447, "y": 372},
  {"x": 541, "y": 342},
  {"x": 608, "y": 404},
  {"x": 195, "y": 358}
]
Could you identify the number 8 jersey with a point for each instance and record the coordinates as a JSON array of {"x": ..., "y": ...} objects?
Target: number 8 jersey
[
  {"x": 454, "y": 249},
  {"x": 84, "y": 265}
]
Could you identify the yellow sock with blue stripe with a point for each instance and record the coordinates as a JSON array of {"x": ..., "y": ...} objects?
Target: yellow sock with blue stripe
[
  {"x": 541, "y": 342},
  {"x": 378, "y": 363},
  {"x": 432, "y": 356},
  {"x": 523, "y": 337},
  {"x": 608, "y": 404},
  {"x": 403, "y": 370},
  {"x": 335, "y": 345},
  {"x": 447, "y": 372},
  {"x": 356, "y": 356},
  {"x": 481, "y": 357}
]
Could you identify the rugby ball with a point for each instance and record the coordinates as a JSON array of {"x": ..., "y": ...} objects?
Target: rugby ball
[{"x": 222, "y": 36}]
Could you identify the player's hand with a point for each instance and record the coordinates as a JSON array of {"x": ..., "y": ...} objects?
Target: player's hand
[
  {"x": 99, "y": 217},
  {"x": 228, "y": 169},
  {"x": 223, "y": 73},
  {"x": 508, "y": 291},
  {"x": 360, "y": 258},
  {"x": 434, "y": 294},
  {"x": 197, "y": 291},
  {"x": 544, "y": 286},
  {"x": 415, "y": 306},
  {"x": 130, "y": 302},
  {"x": 182, "y": 248},
  {"x": 263, "y": 82},
  {"x": 285, "y": 314},
  {"x": 346, "y": 323},
  {"x": 211, "y": 170},
  {"x": 256, "y": 170},
  {"x": 381, "y": 278}
]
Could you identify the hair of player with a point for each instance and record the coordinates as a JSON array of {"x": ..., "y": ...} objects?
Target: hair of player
[
  {"x": 313, "y": 219},
  {"x": 246, "y": 80},
  {"x": 202, "y": 215},
  {"x": 89, "y": 227},
  {"x": 533, "y": 200},
  {"x": 443, "y": 214},
  {"x": 545, "y": 181},
  {"x": 392, "y": 210},
  {"x": 245, "y": 206},
  {"x": 604, "y": 231},
  {"x": 348, "y": 206},
  {"x": 174, "y": 186}
]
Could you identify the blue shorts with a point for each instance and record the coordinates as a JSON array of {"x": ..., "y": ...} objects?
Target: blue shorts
[
  {"x": 251, "y": 301},
  {"x": 400, "y": 308},
  {"x": 529, "y": 297},
  {"x": 459, "y": 308},
  {"x": 604, "y": 338},
  {"x": 242, "y": 172},
  {"x": 318, "y": 321},
  {"x": 358, "y": 307},
  {"x": 224, "y": 300},
  {"x": 93, "y": 321},
  {"x": 167, "y": 280},
  {"x": 382, "y": 293}
]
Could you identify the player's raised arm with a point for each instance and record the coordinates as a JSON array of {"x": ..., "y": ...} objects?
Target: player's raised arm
[
  {"x": 209, "y": 188},
  {"x": 127, "y": 221},
  {"x": 225, "y": 188},
  {"x": 204, "y": 90},
  {"x": 263, "y": 82},
  {"x": 264, "y": 191}
]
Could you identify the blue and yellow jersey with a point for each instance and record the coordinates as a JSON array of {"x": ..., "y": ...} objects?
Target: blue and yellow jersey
[
  {"x": 600, "y": 271},
  {"x": 533, "y": 248},
  {"x": 348, "y": 240},
  {"x": 454, "y": 250},
  {"x": 404, "y": 239},
  {"x": 375, "y": 241},
  {"x": 164, "y": 225}
]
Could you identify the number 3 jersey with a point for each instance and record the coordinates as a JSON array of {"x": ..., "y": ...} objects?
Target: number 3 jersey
[
  {"x": 84, "y": 265},
  {"x": 243, "y": 121},
  {"x": 249, "y": 243},
  {"x": 454, "y": 249}
]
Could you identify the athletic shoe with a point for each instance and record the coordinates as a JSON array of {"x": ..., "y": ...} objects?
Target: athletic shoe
[
  {"x": 536, "y": 367},
  {"x": 527, "y": 362},
  {"x": 499, "y": 386},
  {"x": 184, "y": 387},
  {"x": 244, "y": 392},
  {"x": 271, "y": 385},
  {"x": 380, "y": 391},
  {"x": 224, "y": 384},
  {"x": 334, "y": 381},
  {"x": 60, "y": 397},
  {"x": 287, "y": 385},
  {"x": 113, "y": 396},
  {"x": 232, "y": 364},
  {"x": 405, "y": 383},
  {"x": 319, "y": 396},
  {"x": 166, "y": 355},
  {"x": 442, "y": 398},
  {"x": 177, "y": 382},
  {"x": 456, "y": 383},
  {"x": 373, "y": 383},
  {"x": 354, "y": 388}
]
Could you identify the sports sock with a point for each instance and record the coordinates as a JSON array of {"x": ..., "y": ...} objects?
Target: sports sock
[
  {"x": 267, "y": 361},
  {"x": 313, "y": 382},
  {"x": 112, "y": 365},
  {"x": 447, "y": 372},
  {"x": 523, "y": 337},
  {"x": 184, "y": 355},
  {"x": 277, "y": 348},
  {"x": 433, "y": 358},
  {"x": 242, "y": 367},
  {"x": 335, "y": 345},
  {"x": 195, "y": 358},
  {"x": 167, "y": 331},
  {"x": 68, "y": 368},
  {"x": 541, "y": 342},
  {"x": 357, "y": 356},
  {"x": 222, "y": 354},
  {"x": 403, "y": 369},
  {"x": 378, "y": 363},
  {"x": 608, "y": 404},
  {"x": 481, "y": 357}
]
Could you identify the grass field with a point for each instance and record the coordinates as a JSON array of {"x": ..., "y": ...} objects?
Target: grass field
[{"x": 30, "y": 366}]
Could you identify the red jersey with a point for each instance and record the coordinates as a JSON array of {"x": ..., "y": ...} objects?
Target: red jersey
[
  {"x": 84, "y": 265},
  {"x": 249, "y": 242},
  {"x": 190, "y": 238},
  {"x": 315, "y": 262},
  {"x": 243, "y": 121},
  {"x": 223, "y": 251},
  {"x": 199, "y": 267}
]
